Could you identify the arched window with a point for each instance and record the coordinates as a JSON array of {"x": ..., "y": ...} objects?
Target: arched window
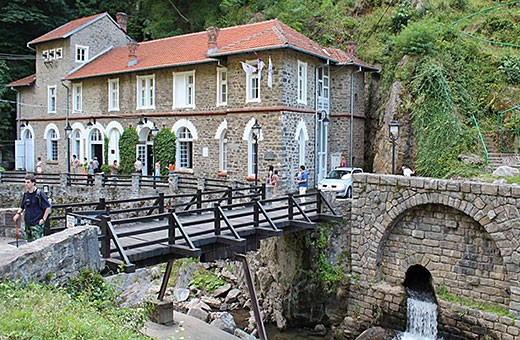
[
  {"x": 223, "y": 143},
  {"x": 301, "y": 148},
  {"x": 251, "y": 153},
  {"x": 184, "y": 148},
  {"x": 113, "y": 145},
  {"x": 76, "y": 143},
  {"x": 52, "y": 145},
  {"x": 96, "y": 145}
]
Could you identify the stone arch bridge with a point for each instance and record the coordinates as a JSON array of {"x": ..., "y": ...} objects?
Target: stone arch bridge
[{"x": 466, "y": 234}]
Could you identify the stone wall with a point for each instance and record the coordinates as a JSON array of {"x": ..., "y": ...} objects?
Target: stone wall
[
  {"x": 462, "y": 232},
  {"x": 52, "y": 258}
]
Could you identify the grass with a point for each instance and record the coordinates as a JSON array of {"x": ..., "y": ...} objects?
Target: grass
[
  {"x": 44, "y": 312},
  {"x": 482, "y": 306}
]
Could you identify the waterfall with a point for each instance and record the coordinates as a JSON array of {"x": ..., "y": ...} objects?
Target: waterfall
[{"x": 421, "y": 320}]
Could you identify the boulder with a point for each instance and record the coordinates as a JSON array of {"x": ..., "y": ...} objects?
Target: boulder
[
  {"x": 505, "y": 171},
  {"x": 198, "y": 313},
  {"x": 233, "y": 294},
  {"x": 376, "y": 333},
  {"x": 182, "y": 294},
  {"x": 221, "y": 290},
  {"x": 225, "y": 322},
  {"x": 243, "y": 335},
  {"x": 212, "y": 302}
]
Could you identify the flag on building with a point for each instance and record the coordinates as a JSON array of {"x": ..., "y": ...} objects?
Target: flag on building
[
  {"x": 261, "y": 65},
  {"x": 249, "y": 69},
  {"x": 270, "y": 74}
]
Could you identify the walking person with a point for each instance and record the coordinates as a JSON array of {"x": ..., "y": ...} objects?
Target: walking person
[
  {"x": 95, "y": 165},
  {"x": 39, "y": 165},
  {"x": 157, "y": 171},
  {"x": 90, "y": 173},
  {"x": 303, "y": 184},
  {"x": 36, "y": 208}
]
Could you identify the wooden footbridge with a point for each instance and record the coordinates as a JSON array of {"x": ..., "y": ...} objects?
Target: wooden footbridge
[{"x": 208, "y": 225}]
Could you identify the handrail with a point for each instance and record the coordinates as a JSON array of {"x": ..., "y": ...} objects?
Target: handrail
[
  {"x": 486, "y": 154},
  {"x": 502, "y": 139}
]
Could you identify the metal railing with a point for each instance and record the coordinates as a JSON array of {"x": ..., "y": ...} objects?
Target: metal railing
[{"x": 486, "y": 154}]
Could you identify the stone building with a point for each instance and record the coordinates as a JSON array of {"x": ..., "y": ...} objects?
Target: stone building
[{"x": 209, "y": 88}]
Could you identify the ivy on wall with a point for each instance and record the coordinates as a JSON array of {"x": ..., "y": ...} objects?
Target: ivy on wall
[
  {"x": 127, "y": 145},
  {"x": 165, "y": 147}
]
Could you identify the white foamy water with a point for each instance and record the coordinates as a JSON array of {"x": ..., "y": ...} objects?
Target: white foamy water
[{"x": 421, "y": 321}]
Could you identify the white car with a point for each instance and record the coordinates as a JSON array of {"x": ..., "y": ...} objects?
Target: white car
[{"x": 339, "y": 180}]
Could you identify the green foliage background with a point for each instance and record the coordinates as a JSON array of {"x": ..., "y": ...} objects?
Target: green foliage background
[
  {"x": 165, "y": 148},
  {"x": 127, "y": 143}
]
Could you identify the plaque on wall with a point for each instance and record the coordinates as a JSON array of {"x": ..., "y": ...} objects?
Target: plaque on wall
[{"x": 269, "y": 156}]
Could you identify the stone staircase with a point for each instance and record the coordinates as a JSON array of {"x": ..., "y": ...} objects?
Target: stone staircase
[{"x": 496, "y": 158}]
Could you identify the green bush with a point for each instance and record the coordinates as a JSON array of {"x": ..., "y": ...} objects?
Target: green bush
[
  {"x": 416, "y": 39},
  {"x": 510, "y": 67},
  {"x": 127, "y": 144},
  {"x": 207, "y": 282},
  {"x": 165, "y": 147}
]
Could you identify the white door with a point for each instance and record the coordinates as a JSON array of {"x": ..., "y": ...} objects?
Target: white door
[
  {"x": 29, "y": 154},
  {"x": 322, "y": 151},
  {"x": 19, "y": 151},
  {"x": 142, "y": 154}
]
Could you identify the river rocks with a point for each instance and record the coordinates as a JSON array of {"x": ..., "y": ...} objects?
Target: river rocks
[
  {"x": 506, "y": 171},
  {"x": 198, "y": 313},
  {"x": 222, "y": 290},
  {"x": 224, "y": 321},
  {"x": 233, "y": 294},
  {"x": 243, "y": 335},
  {"x": 212, "y": 302},
  {"x": 376, "y": 333},
  {"x": 182, "y": 294}
]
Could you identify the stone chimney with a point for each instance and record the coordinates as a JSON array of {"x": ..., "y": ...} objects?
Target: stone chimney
[
  {"x": 351, "y": 48},
  {"x": 132, "y": 52},
  {"x": 212, "y": 38},
  {"x": 122, "y": 19}
]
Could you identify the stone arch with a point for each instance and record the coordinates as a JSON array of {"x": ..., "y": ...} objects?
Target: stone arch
[
  {"x": 53, "y": 127},
  {"x": 299, "y": 128},
  {"x": 143, "y": 130},
  {"x": 221, "y": 128},
  {"x": 476, "y": 228},
  {"x": 188, "y": 124},
  {"x": 247, "y": 131}
]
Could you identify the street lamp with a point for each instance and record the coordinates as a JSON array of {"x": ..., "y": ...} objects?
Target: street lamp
[
  {"x": 154, "y": 133},
  {"x": 256, "y": 135},
  {"x": 394, "y": 134},
  {"x": 68, "y": 132}
]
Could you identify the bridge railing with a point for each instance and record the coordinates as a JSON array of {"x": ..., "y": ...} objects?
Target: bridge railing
[{"x": 18, "y": 177}]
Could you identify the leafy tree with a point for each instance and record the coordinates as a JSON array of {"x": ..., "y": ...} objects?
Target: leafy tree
[
  {"x": 165, "y": 147},
  {"x": 127, "y": 144}
]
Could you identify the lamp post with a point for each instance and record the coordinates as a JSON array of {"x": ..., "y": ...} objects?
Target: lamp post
[
  {"x": 393, "y": 127},
  {"x": 154, "y": 133},
  {"x": 256, "y": 135},
  {"x": 68, "y": 132}
]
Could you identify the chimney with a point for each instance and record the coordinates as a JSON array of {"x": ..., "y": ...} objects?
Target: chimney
[
  {"x": 122, "y": 19},
  {"x": 132, "y": 52},
  {"x": 351, "y": 48},
  {"x": 212, "y": 38}
]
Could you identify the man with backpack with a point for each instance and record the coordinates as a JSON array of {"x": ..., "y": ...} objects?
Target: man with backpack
[{"x": 36, "y": 208}]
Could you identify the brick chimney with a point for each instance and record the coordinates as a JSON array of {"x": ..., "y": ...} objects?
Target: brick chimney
[
  {"x": 212, "y": 38},
  {"x": 132, "y": 52},
  {"x": 351, "y": 48},
  {"x": 122, "y": 19}
]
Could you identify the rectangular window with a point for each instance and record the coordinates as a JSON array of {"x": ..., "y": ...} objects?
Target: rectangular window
[
  {"x": 51, "y": 54},
  {"x": 81, "y": 54},
  {"x": 184, "y": 90},
  {"x": 45, "y": 55},
  {"x": 222, "y": 86},
  {"x": 146, "y": 92},
  {"x": 77, "y": 97},
  {"x": 59, "y": 53},
  {"x": 51, "y": 99},
  {"x": 302, "y": 82},
  {"x": 252, "y": 84},
  {"x": 113, "y": 95}
]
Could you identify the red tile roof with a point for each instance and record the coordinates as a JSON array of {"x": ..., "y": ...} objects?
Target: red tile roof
[
  {"x": 27, "y": 81},
  {"x": 343, "y": 58},
  {"x": 193, "y": 48},
  {"x": 68, "y": 28}
]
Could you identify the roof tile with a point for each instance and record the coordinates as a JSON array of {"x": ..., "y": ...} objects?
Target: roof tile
[{"x": 26, "y": 81}]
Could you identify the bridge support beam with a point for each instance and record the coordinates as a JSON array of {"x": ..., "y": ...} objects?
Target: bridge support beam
[{"x": 254, "y": 300}]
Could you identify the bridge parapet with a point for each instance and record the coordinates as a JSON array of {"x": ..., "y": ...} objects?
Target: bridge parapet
[{"x": 466, "y": 234}]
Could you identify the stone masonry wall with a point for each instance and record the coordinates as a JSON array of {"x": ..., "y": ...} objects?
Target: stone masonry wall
[
  {"x": 53, "y": 258},
  {"x": 463, "y": 233}
]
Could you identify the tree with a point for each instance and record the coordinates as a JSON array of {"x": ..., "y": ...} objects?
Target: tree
[{"x": 127, "y": 144}]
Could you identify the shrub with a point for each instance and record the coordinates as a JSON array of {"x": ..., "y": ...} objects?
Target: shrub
[
  {"x": 510, "y": 67},
  {"x": 416, "y": 39},
  {"x": 127, "y": 143},
  {"x": 165, "y": 147}
]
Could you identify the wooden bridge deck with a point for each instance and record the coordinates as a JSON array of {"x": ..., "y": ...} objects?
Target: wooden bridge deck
[{"x": 215, "y": 232}]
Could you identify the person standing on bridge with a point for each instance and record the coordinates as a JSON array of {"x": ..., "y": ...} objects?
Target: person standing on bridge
[
  {"x": 36, "y": 208},
  {"x": 303, "y": 184}
]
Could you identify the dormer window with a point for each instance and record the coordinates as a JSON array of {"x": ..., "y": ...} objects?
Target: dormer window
[
  {"x": 59, "y": 53},
  {"x": 81, "y": 54}
]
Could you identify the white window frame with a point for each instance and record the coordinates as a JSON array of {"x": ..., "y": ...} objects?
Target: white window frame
[
  {"x": 223, "y": 151},
  {"x": 45, "y": 55},
  {"x": 184, "y": 148},
  {"x": 59, "y": 53},
  {"x": 222, "y": 86},
  {"x": 301, "y": 147},
  {"x": 113, "y": 94},
  {"x": 146, "y": 93},
  {"x": 52, "y": 54},
  {"x": 251, "y": 155},
  {"x": 302, "y": 82},
  {"x": 51, "y": 98},
  {"x": 77, "y": 97},
  {"x": 188, "y": 91},
  {"x": 251, "y": 80},
  {"x": 52, "y": 145},
  {"x": 81, "y": 54}
]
